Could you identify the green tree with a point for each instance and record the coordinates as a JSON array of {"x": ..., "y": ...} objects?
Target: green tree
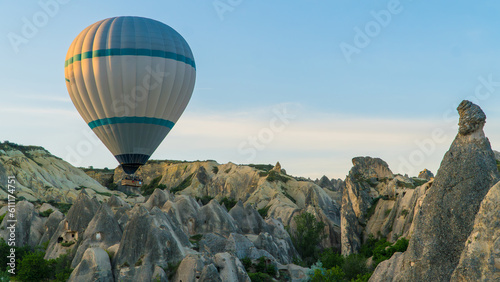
[
  {"x": 330, "y": 258},
  {"x": 354, "y": 264},
  {"x": 307, "y": 236},
  {"x": 333, "y": 274},
  {"x": 33, "y": 268}
]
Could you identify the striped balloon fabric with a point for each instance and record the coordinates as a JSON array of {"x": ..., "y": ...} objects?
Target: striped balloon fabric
[{"x": 130, "y": 78}]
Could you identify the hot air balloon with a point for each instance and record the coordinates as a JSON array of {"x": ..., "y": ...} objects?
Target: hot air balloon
[{"x": 130, "y": 78}]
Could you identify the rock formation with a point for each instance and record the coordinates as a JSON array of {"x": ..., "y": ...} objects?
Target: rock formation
[
  {"x": 357, "y": 198},
  {"x": 426, "y": 174},
  {"x": 40, "y": 176},
  {"x": 94, "y": 266},
  {"x": 480, "y": 259},
  {"x": 445, "y": 220}
]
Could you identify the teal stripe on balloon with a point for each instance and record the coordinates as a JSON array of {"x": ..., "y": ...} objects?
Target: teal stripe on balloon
[
  {"x": 129, "y": 52},
  {"x": 145, "y": 120}
]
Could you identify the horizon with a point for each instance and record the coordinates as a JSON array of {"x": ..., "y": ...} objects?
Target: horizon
[{"x": 309, "y": 85}]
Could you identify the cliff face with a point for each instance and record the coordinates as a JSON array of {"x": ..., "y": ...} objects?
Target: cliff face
[{"x": 377, "y": 203}]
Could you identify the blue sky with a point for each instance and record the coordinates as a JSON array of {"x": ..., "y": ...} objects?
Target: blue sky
[{"x": 257, "y": 58}]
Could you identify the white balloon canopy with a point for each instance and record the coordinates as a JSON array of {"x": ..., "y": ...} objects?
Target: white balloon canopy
[{"x": 130, "y": 78}]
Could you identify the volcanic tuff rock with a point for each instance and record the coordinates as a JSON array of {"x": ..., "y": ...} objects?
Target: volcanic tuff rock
[
  {"x": 29, "y": 226},
  {"x": 42, "y": 176},
  {"x": 331, "y": 184},
  {"x": 185, "y": 210},
  {"x": 73, "y": 226},
  {"x": 157, "y": 199},
  {"x": 480, "y": 259},
  {"x": 248, "y": 219},
  {"x": 94, "y": 266},
  {"x": 446, "y": 218},
  {"x": 149, "y": 239},
  {"x": 213, "y": 218},
  {"x": 426, "y": 174},
  {"x": 241, "y": 247},
  {"x": 282, "y": 194},
  {"x": 103, "y": 231},
  {"x": 191, "y": 268},
  {"x": 356, "y": 199},
  {"x": 231, "y": 268},
  {"x": 51, "y": 225}
]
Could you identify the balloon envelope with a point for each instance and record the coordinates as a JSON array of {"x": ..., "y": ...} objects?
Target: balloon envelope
[{"x": 130, "y": 78}]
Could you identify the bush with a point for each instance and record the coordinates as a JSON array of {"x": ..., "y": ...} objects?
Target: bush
[
  {"x": 404, "y": 212},
  {"x": 112, "y": 186},
  {"x": 5, "y": 250},
  {"x": 381, "y": 249},
  {"x": 308, "y": 235},
  {"x": 2, "y": 216},
  {"x": 263, "y": 267},
  {"x": 247, "y": 263},
  {"x": 362, "y": 277},
  {"x": 67, "y": 244},
  {"x": 354, "y": 264},
  {"x": 60, "y": 268},
  {"x": 46, "y": 213},
  {"x": 264, "y": 211},
  {"x": 215, "y": 170},
  {"x": 334, "y": 274},
  {"x": 260, "y": 277},
  {"x": 33, "y": 268},
  {"x": 228, "y": 202},
  {"x": 329, "y": 258}
]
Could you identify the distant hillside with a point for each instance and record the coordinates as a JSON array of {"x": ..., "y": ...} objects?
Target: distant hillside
[{"x": 42, "y": 176}]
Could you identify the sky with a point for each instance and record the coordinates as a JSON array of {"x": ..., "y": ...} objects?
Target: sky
[{"x": 310, "y": 84}]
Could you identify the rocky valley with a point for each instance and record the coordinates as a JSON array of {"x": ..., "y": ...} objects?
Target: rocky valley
[{"x": 205, "y": 221}]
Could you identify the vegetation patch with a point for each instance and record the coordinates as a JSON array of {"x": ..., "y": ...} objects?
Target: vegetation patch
[
  {"x": 334, "y": 267},
  {"x": 285, "y": 192},
  {"x": 204, "y": 200},
  {"x": 404, "y": 212},
  {"x": 229, "y": 203},
  {"x": 67, "y": 244},
  {"x": 274, "y": 176},
  {"x": 45, "y": 213},
  {"x": 107, "y": 194},
  {"x": 387, "y": 212},
  {"x": 31, "y": 265},
  {"x": 307, "y": 237},
  {"x": 372, "y": 208},
  {"x": 172, "y": 269},
  {"x": 264, "y": 211},
  {"x": 264, "y": 167},
  {"x": 148, "y": 189},
  {"x": 183, "y": 185},
  {"x": 420, "y": 182},
  {"x": 62, "y": 207},
  {"x": 215, "y": 169},
  {"x": 260, "y": 271}
]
